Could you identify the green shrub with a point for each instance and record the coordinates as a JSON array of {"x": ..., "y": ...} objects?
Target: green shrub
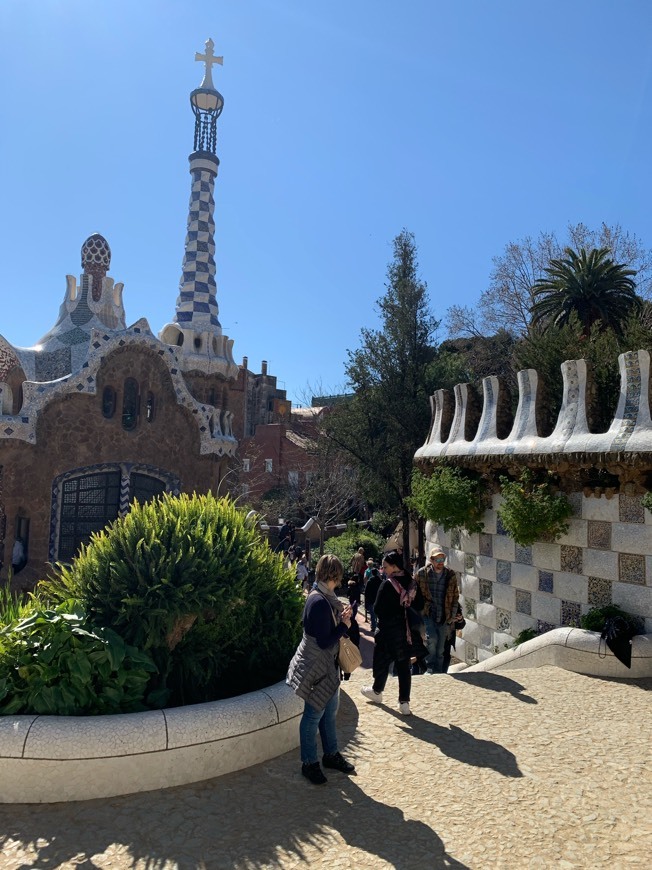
[
  {"x": 451, "y": 497},
  {"x": 54, "y": 662},
  {"x": 646, "y": 501},
  {"x": 531, "y": 510},
  {"x": 346, "y": 544},
  {"x": 595, "y": 619},
  {"x": 189, "y": 580},
  {"x": 14, "y": 606}
]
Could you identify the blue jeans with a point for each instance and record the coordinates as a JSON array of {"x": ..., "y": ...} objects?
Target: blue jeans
[
  {"x": 436, "y": 634},
  {"x": 322, "y": 721},
  {"x": 372, "y": 616}
]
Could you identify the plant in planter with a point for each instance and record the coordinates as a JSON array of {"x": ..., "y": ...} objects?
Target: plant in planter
[
  {"x": 190, "y": 581},
  {"x": 531, "y": 510},
  {"x": 55, "y": 662},
  {"x": 451, "y": 497},
  {"x": 595, "y": 619}
]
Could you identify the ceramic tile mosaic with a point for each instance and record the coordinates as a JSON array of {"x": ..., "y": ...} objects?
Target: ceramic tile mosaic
[
  {"x": 575, "y": 501},
  {"x": 523, "y": 555},
  {"x": 455, "y": 539},
  {"x": 503, "y": 620},
  {"x": 523, "y": 602},
  {"x": 570, "y": 613},
  {"x": 599, "y": 592},
  {"x": 632, "y": 392},
  {"x": 545, "y": 626},
  {"x": 599, "y": 535},
  {"x": 486, "y": 591},
  {"x": 571, "y": 559},
  {"x": 545, "y": 581},
  {"x": 500, "y": 528},
  {"x": 469, "y": 563},
  {"x": 503, "y": 571},
  {"x": 631, "y": 568},
  {"x": 469, "y": 608},
  {"x": 486, "y": 544},
  {"x": 470, "y": 653},
  {"x": 630, "y": 509}
]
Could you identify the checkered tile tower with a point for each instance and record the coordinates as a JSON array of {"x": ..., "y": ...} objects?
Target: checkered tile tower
[{"x": 196, "y": 328}]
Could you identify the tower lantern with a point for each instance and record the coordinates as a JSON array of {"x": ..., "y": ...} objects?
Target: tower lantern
[{"x": 207, "y": 103}]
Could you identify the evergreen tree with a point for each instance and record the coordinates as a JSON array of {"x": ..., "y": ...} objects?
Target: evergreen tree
[{"x": 392, "y": 374}]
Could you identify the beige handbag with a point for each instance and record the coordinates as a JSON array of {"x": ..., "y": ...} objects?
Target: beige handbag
[{"x": 349, "y": 656}]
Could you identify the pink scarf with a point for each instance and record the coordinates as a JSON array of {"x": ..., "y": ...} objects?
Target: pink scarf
[{"x": 406, "y": 595}]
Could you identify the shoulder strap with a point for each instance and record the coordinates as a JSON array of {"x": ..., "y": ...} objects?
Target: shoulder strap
[{"x": 329, "y": 606}]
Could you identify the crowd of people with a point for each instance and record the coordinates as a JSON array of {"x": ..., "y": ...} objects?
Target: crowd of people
[{"x": 414, "y": 617}]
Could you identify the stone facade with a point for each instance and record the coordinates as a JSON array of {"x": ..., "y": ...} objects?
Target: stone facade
[{"x": 97, "y": 413}]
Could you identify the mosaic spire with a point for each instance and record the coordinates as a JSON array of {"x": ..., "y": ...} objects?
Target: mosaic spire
[{"x": 196, "y": 327}]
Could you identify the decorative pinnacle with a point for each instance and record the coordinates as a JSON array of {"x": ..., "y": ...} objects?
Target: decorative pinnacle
[{"x": 209, "y": 59}]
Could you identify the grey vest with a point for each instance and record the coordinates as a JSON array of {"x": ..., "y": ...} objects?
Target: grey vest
[{"x": 314, "y": 673}]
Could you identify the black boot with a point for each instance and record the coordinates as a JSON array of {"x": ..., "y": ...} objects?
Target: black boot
[
  {"x": 337, "y": 762},
  {"x": 314, "y": 773}
]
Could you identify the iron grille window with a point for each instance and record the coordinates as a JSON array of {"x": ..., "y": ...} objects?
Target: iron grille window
[
  {"x": 87, "y": 505},
  {"x": 144, "y": 487}
]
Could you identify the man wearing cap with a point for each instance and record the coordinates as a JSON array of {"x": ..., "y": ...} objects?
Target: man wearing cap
[{"x": 441, "y": 593}]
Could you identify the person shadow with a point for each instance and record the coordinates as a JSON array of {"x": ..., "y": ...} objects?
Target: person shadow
[
  {"x": 263, "y": 816},
  {"x": 382, "y": 830},
  {"x": 495, "y": 683},
  {"x": 459, "y": 744}
]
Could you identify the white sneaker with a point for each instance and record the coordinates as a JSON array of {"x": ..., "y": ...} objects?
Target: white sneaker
[
  {"x": 404, "y": 709},
  {"x": 370, "y": 695}
]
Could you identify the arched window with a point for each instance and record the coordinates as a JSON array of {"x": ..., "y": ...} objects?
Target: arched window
[
  {"x": 144, "y": 487},
  {"x": 130, "y": 405},
  {"x": 108, "y": 402},
  {"x": 88, "y": 503}
]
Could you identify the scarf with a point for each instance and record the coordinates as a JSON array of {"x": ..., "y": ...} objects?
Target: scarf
[
  {"x": 406, "y": 595},
  {"x": 331, "y": 597}
]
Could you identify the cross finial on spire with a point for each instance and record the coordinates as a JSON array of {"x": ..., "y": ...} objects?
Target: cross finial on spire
[{"x": 209, "y": 59}]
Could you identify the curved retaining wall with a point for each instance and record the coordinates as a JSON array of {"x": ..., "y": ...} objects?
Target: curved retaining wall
[
  {"x": 573, "y": 649},
  {"x": 45, "y": 759}
]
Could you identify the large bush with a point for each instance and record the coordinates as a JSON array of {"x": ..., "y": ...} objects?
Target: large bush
[
  {"x": 190, "y": 580},
  {"x": 54, "y": 662}
]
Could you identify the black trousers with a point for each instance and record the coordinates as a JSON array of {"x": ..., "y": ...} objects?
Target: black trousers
[{"x": 383, "y": 657}]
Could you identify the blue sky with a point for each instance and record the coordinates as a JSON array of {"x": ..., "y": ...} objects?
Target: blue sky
[{"x": 470, "y": 123}]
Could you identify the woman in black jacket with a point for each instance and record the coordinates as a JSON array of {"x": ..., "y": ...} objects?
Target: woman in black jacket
[{"x": 393, "y": 637}]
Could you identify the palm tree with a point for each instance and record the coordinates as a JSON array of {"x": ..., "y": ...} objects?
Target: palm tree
[{"x": 591, "y": 285}]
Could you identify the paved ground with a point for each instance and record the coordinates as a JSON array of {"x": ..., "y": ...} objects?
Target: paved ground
[{"x": 547, "y": 769}]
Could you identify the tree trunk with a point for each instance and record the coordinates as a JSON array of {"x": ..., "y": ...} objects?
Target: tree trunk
[
  {"x": 406, "y": 537},
  {"x": 421, "y": 532}
]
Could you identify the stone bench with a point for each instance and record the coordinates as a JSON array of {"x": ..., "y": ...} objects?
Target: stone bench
[
  {"x": 573, "y": 649},
  {"x": 44, "y": 759}
]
